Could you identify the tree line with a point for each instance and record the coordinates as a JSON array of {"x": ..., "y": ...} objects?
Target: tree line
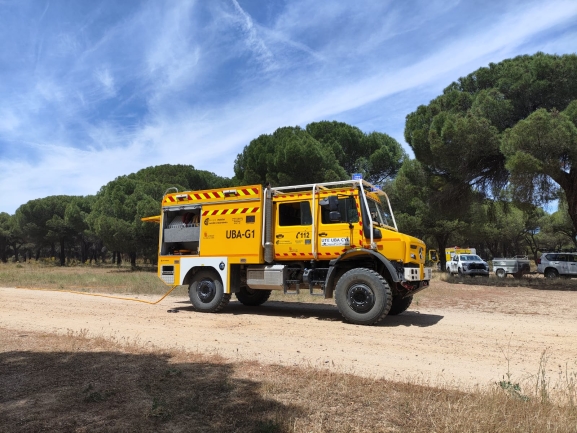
[{"x": 490, "y": 152}]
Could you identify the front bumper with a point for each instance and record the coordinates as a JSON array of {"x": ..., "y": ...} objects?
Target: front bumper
[
  {"x": 414, "y": 274},
  {"x": 484, "y": 272}
]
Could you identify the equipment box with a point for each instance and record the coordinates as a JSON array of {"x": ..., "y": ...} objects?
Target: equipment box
[
  {"x": 181, "y": 229},
  {"x": 182, "y": 234}
]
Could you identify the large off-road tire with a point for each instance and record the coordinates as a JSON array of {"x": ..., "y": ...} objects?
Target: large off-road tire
[
  {"x": 551, "y": 274},
  {"x": 501, "y": 273},
  {"x": 251, "y": 297},
  {"x": 363, "y": 296},
  {"x": 400, "y": 305},
  {"x": 207, "y": 293}
]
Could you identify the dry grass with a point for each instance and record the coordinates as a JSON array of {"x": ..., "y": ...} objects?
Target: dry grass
[
  {"x": 102, "y": 279},
  {"x": 536, "y": 281},
  {"x": 76, "y": 383}
]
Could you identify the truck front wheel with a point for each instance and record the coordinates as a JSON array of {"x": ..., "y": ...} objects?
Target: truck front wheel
[
  {"x": 400, "y": 305},
  {"x": 251, "y": 297},
  {"x": 501, "y": 273},
  {"x": 363, "y": 296},
  {"x": 207, "y": 293}
]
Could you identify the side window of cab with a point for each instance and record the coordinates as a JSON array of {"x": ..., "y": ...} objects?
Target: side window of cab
[
  {"x": 347, "y": 209},
  {"x": 295, "y": 214}
]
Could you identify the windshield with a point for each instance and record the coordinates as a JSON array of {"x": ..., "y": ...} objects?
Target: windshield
[
  {"x": 471, "y": 258},
  {"x": 377, "y": 213}
]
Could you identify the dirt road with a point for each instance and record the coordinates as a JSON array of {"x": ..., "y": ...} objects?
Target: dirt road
[{"x": 455, "y": 334}]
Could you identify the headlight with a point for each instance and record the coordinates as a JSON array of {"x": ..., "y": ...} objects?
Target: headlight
[{"x": 464, "y": 267}]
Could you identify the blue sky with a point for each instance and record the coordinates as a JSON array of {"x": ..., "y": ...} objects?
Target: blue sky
[{"x": 91, "y": 90}]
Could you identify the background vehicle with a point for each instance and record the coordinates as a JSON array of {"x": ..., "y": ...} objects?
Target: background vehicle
[
  {"x": 333, "y": 239},
  {"x": 516, "y": 266},
  {"x": 468, "y": 264},
  {"x": 553, "y": 265},
  {"x": 449, "y": 253}
]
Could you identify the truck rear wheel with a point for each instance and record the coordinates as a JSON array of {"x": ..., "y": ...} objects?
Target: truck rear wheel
[
  {"x": 400, "y": 305},
  {"x": 501, "y": 273},
  {"x": 207, "y": 293},
  {"x": 252, "y": 298},
  {"x": 363, "y": 296}
]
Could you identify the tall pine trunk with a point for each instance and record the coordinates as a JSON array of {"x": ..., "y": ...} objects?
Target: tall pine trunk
[{"x": 62, "y": 253}]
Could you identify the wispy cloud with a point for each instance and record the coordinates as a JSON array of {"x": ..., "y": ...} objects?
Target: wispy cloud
[
  {"x": 105, "y": 78},
  {"x": 252, "y": 38}
]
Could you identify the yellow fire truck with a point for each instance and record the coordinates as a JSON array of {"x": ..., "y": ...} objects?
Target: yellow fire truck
[
  {"x": 331, "y": 239},
  {"x": 449, "y": 253}
]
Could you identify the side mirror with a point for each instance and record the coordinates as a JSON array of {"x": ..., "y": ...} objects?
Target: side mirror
[{"x": 333, "y": 203}]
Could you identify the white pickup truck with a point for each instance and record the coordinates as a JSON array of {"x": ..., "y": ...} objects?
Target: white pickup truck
[{"x": 468, "y": 264}]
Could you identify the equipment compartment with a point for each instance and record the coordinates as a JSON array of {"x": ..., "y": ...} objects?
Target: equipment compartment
[{"x": 181, "y": 234}]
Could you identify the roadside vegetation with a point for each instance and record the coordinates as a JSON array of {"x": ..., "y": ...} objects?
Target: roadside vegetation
[
  {"x": 109, "y": 278},
  {"x": 88, "y": 278},
  {"x": 536, "y": 281}
]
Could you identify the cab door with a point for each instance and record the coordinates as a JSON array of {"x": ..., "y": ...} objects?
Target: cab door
[
  {"x": 293, "y": 229},
  {"x": 561, "y": 264},
  {"x": 338, "y": 229}
]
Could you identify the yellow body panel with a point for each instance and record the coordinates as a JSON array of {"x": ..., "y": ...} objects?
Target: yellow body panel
[
  {"x": 233, "y": 230},
  {"x": 241, "y": 193},
  {"x": 224, "y": 222},
  {"x": 164, "y": 261}
]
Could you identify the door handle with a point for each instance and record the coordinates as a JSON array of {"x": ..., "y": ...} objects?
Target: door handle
[
  {"x": 323, "y": 234},
  {"x": 279, "y": 236}
]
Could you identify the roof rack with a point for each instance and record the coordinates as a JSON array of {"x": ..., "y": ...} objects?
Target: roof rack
[{"x": 362, "y": 184}]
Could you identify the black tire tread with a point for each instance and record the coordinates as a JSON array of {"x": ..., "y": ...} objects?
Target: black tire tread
[
  {"x": 225, "y": 299},
  {"x": 388, "y": 296},
  {"x": 551, "y": 273},
  {"x": 223, "y": 302},
  {"x": 400, "y": 305},
  {"x": 252, "y": 300}
]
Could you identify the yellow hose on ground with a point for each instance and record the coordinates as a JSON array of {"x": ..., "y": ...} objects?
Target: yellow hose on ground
[{"x": 100, "y": 295}]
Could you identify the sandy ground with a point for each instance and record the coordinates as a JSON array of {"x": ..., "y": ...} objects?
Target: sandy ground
[{"x": 462, "y": 336}]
